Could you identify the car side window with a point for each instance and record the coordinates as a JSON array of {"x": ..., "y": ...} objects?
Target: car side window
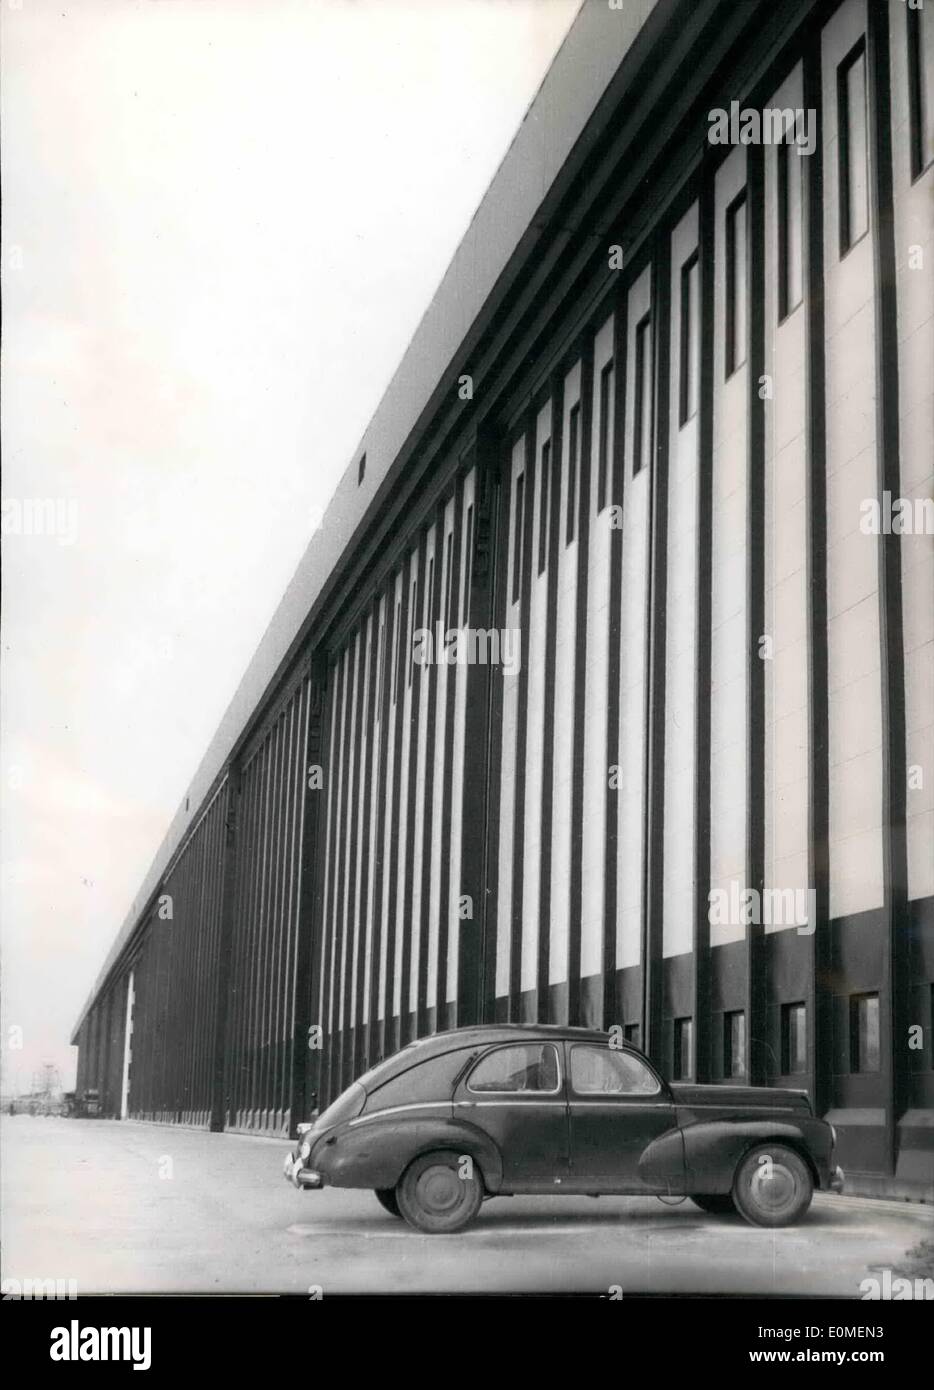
[
  {"x": 606, "y": 1071},
  {"x": 529, "y": 1067}
]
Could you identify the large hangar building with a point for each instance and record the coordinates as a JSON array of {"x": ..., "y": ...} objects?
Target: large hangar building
[{"x": 675, "y": 773}]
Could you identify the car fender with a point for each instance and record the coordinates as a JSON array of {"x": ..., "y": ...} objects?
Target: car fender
[
  {"x": 374, "y": 1151},
  {"x": 662, "y": 1165},
  {"x": 714, "y": 1148}
]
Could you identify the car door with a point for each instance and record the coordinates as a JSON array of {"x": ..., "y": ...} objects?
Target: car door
[
  {"x": 617, "y": 1106},
  {"x": 516, "y": 1094}
]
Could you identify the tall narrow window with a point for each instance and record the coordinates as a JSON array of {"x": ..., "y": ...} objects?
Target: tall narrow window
[
  {"x": 543, "y": 505},
  {"x": 607, "y": 378},
  {"x": 690, "y": 338},
  {"x": 794, "y": 1039},
  {"x": 517, "y": 537},
  {"x": 412, "y": 622},
  {"x": 864, "y": 1032},
  {"x": 734, "y": 1044},
  {"x": 642, "y": 409},
  {"x": 736, "y": 284},
  {"x": 381, "y": 677},
  {"x": 429, "y": 600},
  {"x": 449, "y": 581},
  {"x": 790, "y": 229},
  {"x": 683, "y": 1048},
  {"x": 573, "y": 447},
  {"x": 396, "y": 645},
  {"x": 468, "y": 544},
  {"x": 921, "y": 88},
  {"x": 852, "y": 142}
]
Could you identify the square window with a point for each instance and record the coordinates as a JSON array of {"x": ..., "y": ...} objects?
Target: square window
[
  {"x": 794, "y": 1039},
  {"x": 683, "y": 1049},
  {"x": 734, "y": 1044},
  {"x": 864, "y": 1032}
]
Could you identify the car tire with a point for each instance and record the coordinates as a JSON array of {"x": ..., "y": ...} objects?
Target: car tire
[
  {"x": 773, "y": 1186},
  {"x": 433, "y": 1196},
  {"x": 386, "y": 1196},
  {"x": 716, "y": 1203}
]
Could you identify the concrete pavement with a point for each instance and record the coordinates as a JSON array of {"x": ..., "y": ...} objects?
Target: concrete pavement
[{"x": 127, "y": 1207}]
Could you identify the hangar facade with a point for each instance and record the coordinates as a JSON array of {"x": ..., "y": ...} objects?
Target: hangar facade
[{"x": 631, "y": 440}]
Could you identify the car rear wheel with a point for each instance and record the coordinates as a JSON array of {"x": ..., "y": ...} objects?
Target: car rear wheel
[
  {"x": 386, "y": 1196},
  {"x": 717, "y": 1203},
  {"x": 437, "y": 1196},
  {"x": 773, "y": 1186}
]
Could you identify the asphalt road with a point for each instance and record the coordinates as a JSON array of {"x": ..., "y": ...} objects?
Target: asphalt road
[{"x": 126, "y": 1207}]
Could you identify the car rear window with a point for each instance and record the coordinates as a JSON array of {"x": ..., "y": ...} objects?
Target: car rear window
[
  {"x": 518, "y": 1069},
  {"x": 431, "y": 1080}
]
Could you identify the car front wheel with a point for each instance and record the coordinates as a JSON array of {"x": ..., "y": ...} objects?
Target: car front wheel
[
  {"x": 773, "y": 1186},
  {"x": 717, "y": 1203},
  {"x": 438, "y": 1193},
  {"x": 386, "y": 1196}
]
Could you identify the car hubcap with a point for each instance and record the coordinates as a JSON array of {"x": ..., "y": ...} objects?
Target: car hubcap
[
  {"x": 440, "y": 1190},
  {"x": 774, "y": 1188}
]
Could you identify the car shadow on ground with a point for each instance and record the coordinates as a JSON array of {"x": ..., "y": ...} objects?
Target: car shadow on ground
[{"x": 502, "y": 1213}]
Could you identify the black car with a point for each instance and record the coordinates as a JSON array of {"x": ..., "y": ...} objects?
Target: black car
[{"x": 484, "y": 1111}]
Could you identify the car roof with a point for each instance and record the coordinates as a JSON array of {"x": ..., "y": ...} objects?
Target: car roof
[{"x": 477, "y": 1035}]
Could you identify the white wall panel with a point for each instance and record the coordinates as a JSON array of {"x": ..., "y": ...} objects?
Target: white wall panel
[
  {"x": 565, "y": 656},
  {"x": 914, "y": 251},
  {"x": 633, "y": 616},
  {"x": 593, "y": 847},
  {"x": 681, "y": 625},
  {"x": 786, "y": 598},
  {"x": 729, "y": 694},
  {"x": 854, "y": 677},
  {"x": 535, "y": 708},
  {"x": 508, "y": 755}
]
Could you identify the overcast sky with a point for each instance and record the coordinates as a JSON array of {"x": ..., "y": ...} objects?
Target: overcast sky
[{"x": 222, "y": 223}]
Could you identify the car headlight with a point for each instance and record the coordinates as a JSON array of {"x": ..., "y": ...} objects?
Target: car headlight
[
  {"x": 304, "y": 1150},
  {"x": 833, "y": 1136}
]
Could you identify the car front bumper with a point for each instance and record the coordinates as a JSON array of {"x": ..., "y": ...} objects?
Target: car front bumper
[{"x": 295, "y": 1172}]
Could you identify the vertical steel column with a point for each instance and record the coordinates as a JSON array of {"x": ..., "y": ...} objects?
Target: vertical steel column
[
  {"x": 653, "y": 877},
  {"x": 703, "y": 619},
  {"x": 450, "y": 612},
  {"x": 476, "y": 965},
  {"x": 221, "y": 1074},
  {"x": 582, "y": 531},
  {"x": 612, "y": 1003},
  {"x": 555, "y": 543},
  {"x": 522, "y": 708},
  {"x": 756, "y": 981},
  {"x": 893, "y": 994},
  {"x": 818, "y": 1019}
]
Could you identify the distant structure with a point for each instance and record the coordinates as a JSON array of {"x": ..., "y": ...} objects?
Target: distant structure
[{"x": 664, "y": 760}]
